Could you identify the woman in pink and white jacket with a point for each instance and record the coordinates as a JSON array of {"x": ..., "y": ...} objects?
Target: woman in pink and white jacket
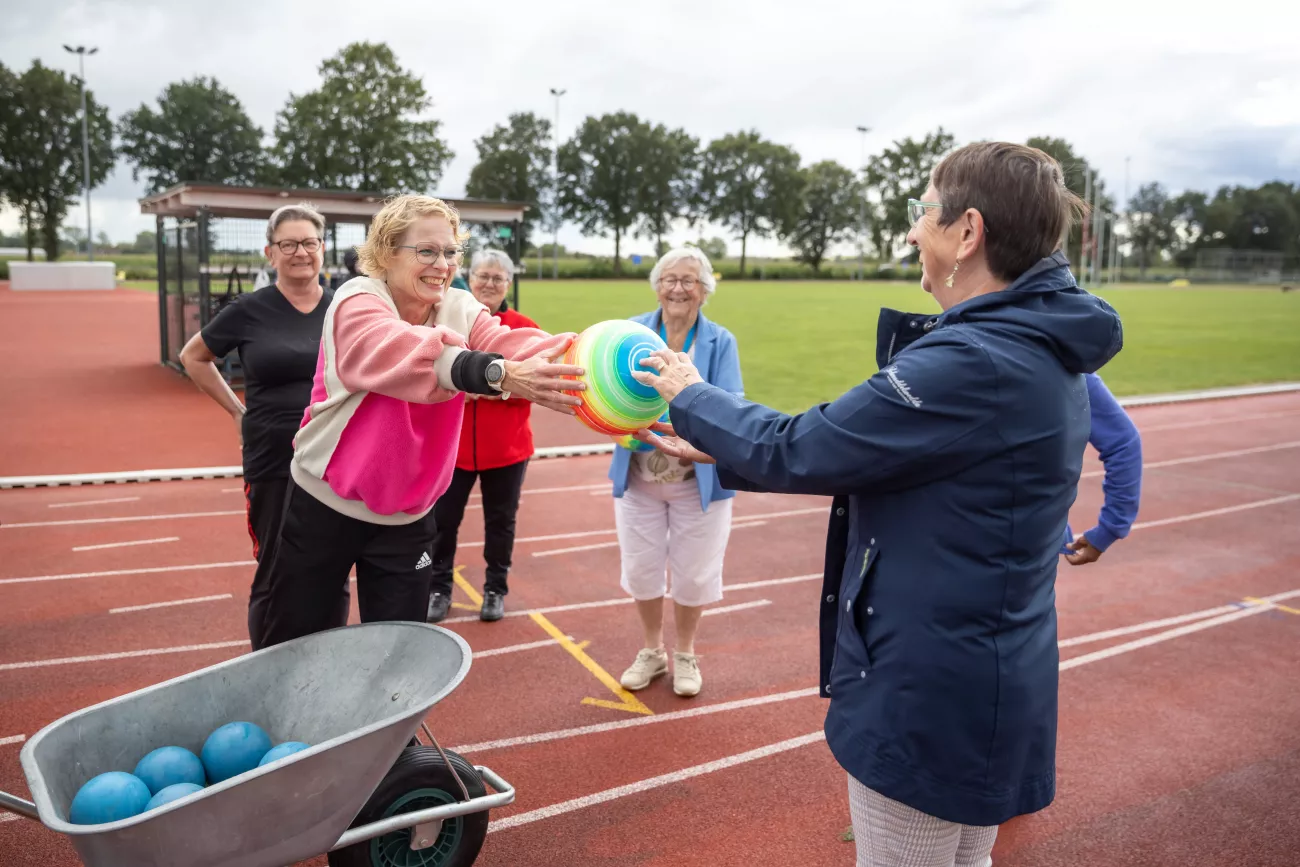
[{"x": 377, "y": 446}]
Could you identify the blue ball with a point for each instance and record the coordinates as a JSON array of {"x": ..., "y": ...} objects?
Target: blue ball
[
  {"x": 279, "y": 751},
  {"x": 171, "y": 793},
  {"x": 167, "y": 766},
  {"x": 109, "y": 797},
  {"x": 233, "y": 749}
]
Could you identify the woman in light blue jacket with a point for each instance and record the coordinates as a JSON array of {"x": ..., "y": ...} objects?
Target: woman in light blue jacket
[{"x": 670, "y": 512}]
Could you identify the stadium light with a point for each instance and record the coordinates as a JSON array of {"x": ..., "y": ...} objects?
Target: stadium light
[{"x": 81, "y": 51}]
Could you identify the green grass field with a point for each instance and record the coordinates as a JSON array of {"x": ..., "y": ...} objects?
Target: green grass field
[{"x": 803, "y": 343}]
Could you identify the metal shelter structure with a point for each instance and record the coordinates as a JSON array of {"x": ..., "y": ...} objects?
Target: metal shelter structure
[{"x": 208, "y": 232}]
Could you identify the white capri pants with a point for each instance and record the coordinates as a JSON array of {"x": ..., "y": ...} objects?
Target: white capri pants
[
  {"x": 891, "y": 834},
  {"x": 662, "y": 524}
]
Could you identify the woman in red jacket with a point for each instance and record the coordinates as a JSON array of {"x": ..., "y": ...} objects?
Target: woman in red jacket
[{"x": 496, "y": 443}]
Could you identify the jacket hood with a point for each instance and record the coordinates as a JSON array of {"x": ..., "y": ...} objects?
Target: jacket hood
[{"x": 1044, "y": 304}]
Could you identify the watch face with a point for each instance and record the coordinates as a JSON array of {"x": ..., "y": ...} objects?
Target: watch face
[{"x": 496, "y": 372}]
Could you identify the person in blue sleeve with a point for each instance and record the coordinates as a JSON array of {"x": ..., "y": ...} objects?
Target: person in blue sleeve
[
  {"x": 952, "y": 471},
  {"x": 1119, "y": 446}
]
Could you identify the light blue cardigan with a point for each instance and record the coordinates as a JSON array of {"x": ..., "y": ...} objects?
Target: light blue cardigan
[{"x": 718, "y": 361}]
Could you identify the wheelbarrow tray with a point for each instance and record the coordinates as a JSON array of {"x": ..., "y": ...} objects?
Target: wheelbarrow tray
[{"x": 356, "y": 694}]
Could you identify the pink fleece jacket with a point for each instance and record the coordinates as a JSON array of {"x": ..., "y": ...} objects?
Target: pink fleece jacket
[{"x": 379, "y": 439}]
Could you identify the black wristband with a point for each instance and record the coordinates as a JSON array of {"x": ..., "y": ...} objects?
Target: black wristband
[{"x": 469, "y": 371}]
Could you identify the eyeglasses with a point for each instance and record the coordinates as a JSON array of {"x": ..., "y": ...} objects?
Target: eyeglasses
[
  {"x": 916, "y": 209},
  {"x": 687, "y": 283},
  {"x": 429, "y": 255},
  {"x": 288, "y": 248},
  {"x": 494, "y": 280}
]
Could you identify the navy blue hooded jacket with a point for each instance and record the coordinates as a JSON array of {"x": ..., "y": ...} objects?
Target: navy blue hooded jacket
[{"x": 952, "y": 470}]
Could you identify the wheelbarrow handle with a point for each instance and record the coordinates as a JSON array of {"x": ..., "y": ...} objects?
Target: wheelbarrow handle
[
  {"x": 19, "y": 806},
  {"x": 505, "y": 795}
]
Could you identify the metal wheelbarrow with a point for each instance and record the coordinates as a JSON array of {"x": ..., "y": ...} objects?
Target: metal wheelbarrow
[{"x": 357, "y": 695}]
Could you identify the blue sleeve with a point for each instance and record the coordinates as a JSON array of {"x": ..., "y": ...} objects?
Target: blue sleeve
[
  {"x": 726, "y": 372},
  {"x": 925, "y": 416},
  {"x": 1119, "y": 446}
]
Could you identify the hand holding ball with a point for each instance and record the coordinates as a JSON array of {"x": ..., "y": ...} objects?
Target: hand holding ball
[{"x": 614, "y": 402}]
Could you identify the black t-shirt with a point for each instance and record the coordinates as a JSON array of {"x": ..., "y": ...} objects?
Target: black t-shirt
[{"x": 278, "y": 347}]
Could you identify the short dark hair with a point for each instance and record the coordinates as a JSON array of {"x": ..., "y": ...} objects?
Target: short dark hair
[{"x": 1020, "y": 192}]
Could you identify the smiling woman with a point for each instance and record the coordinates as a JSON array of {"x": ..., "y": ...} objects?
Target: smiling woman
[{"x": 399, "y": 350}]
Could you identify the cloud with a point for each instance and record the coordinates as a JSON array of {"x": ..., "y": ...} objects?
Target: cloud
[{"x": 1184, "y": 93}]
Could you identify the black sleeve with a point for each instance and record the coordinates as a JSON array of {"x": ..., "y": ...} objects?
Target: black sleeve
[
  {"x": 227, "y": 330},
  {"x": 469, "y": 371}
]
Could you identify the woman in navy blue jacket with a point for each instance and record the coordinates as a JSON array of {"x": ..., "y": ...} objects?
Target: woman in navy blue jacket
[{"x": 952, "y": 469}]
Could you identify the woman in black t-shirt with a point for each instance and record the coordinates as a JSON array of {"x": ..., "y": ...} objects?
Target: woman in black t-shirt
[{"x": 276, "y": 330}]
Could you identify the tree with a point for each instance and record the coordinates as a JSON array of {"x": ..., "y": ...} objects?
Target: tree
[
  {"x": 669, "y": 176},
  {"x": 1151, "y": 223},
  {"x": 600, "y": 175},
  {"x": 714, "y": 248},
  {"x": 41, "y": 160},
  {"x": 1188, "y": 214},
  {"x": 899, "y": 173},
  {"x": 828, "y": 212},
  {"x": 200, "y": 132},
  {"x": 359, "y": 130},
  {"x": 748, "y": 184},
  {"x": 514, "y": 163}
]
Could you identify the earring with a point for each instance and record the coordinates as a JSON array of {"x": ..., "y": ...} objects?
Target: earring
[{"x": 948, "y": 282}]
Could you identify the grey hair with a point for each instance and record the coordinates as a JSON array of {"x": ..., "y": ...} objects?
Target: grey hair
[
  {"x": 300, "y": 211},
  {"x": 677, "y": 254},
  {"x": 488, "y": 258}
]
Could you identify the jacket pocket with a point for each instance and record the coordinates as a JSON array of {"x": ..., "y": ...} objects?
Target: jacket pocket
[{"x": 861, "y": 612}]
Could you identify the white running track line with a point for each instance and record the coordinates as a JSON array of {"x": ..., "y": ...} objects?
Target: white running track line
[
  {"x": 1173, "y": 621},
  {"x": 515, "y": 648},
  {"x": 1196, "y": 459},
  {"x": 1214, "y": 421},
  {"x": 653, "y": 783},
  {"x": 741, "y": 606},
  {"x": 1227, "y": 510},
  {"x": 627, "y": 600},
  {"x": 551, "y": 552},
  {"x": 93, "y": 502},
  {"x": 153, "y": 570},
  {"x": 607, "y": 795},
  {"x": 127, "y": 544},
  {"x": 600, "y": 728},
  {"x": 125, "y": 654},
  {"x": 191, "y": 601},
  {"x": 12, "y": 739},
  {"x": 122, "y": 520}
]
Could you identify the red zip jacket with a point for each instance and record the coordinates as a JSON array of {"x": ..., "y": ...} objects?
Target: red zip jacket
[{"x": 496, "y": 433}]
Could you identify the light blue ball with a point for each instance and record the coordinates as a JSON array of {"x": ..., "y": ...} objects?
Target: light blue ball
[
  {"x": 172, "y": 793},
  {"x": 279, "y": 751},
  {"x": 167, "y": 766},
  {"x": 233, "y": 749},
  {"x": 109, "y": 797}
]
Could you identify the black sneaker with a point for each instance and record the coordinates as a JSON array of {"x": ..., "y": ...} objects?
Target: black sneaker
[
  {"x": 494, "y": 606},
  {"x": 438, "y": 605}
]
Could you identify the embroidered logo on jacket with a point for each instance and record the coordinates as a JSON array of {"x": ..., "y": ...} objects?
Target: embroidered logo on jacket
[{"x": 900, "y": 386}]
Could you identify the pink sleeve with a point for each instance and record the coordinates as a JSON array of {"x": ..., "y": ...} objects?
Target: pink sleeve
[
  {"x": 516, "y": 344},
  {"x": 376, "y": 351}
]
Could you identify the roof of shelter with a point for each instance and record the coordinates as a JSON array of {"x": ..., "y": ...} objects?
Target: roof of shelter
[{"x": 337, "y": 206}]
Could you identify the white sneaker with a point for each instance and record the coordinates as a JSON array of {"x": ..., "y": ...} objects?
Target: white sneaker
[
  {"x": 686, "y": 674},
  {"x": 649, "y": 664}
]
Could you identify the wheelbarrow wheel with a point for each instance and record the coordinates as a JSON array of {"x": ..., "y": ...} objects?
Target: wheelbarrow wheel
[{"x": 419, "y": 780}]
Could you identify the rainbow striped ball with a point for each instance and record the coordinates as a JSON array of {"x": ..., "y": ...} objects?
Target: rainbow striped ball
[{"x": 614, "y": 403}]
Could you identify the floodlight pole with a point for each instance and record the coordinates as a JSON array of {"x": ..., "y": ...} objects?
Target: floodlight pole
[
  {"x": 862, "y": 209},
  {"x": 81, "y": 53},
  {"x": 555, "y": 202}
]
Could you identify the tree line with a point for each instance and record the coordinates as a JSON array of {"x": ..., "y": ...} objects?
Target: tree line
[{"x": 619, "y": 175}]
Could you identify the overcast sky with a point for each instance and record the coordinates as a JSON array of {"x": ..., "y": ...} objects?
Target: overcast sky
[{"x": 1193, "y": 94}]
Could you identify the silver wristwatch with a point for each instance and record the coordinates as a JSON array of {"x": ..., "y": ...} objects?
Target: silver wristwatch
[{"x": 496, "y": 375}]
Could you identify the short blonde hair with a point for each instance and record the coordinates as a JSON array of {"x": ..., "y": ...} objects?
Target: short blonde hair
[{"x": 390, "y": 224}]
